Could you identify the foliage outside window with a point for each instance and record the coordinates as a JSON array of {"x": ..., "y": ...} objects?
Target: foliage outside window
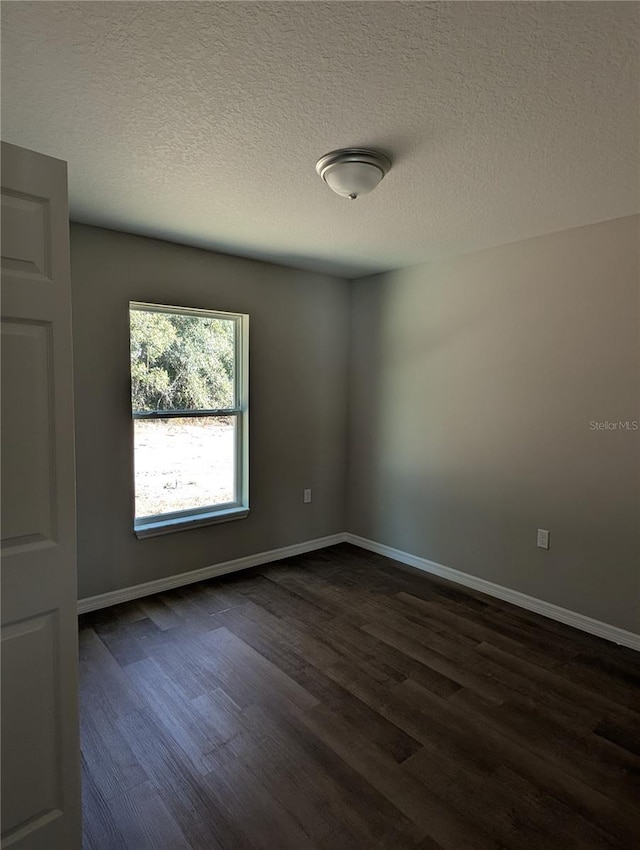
[{"x": 189, "y": 406}]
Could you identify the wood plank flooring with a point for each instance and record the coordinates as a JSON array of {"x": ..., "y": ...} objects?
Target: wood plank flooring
[{"x": 336, "y": 701}]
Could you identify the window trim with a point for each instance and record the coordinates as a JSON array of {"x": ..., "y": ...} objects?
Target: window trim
[
  {"x": 166, "y": 523},
  {"x": 170, "y": 526}
]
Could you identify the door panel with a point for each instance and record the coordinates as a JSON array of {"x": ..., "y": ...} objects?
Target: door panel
[
  {"x": 40, "y": 741},
  {"x": 28, "y": 472},
  {"x": 34, "y": 791},
  {"x": 25, "y": 235}
]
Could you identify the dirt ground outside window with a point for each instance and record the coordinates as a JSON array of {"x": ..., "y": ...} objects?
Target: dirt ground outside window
[{"x": 183, "y": 463}]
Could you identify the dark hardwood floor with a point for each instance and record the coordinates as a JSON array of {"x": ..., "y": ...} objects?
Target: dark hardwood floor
[{"x": 336, "y": 701}]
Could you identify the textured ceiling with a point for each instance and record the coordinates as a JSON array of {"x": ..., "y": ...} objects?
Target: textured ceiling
[{"x": 201, "y": 122}]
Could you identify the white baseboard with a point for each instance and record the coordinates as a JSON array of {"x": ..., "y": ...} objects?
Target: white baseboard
[
  {"x": 137, "y": 591},
  {"x": 554, "y": 612},
  {"x": 530, "y": 603}
]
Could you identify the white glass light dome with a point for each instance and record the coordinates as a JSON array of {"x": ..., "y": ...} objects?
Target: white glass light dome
[{"x": 352, "y": 172}]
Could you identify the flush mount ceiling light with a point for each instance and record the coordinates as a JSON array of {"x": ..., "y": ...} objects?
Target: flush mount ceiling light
[{"x": 352, "y": 172}]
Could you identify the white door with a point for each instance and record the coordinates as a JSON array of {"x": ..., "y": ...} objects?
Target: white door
[{"x": 40, "y": 743}]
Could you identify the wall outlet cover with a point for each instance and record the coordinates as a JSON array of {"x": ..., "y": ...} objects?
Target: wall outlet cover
[{"x": 543, "y": 538}]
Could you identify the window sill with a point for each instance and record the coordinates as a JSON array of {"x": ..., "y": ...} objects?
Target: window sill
[{"x": 169, "y": 526}]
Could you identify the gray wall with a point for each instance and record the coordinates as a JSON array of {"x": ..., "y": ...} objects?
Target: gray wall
[
  {"x": 473, "y": 385},
  {"x": 298, "y": 386}
]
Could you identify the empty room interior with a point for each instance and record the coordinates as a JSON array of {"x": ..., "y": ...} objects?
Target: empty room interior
[{"x": 320, "y": 425}]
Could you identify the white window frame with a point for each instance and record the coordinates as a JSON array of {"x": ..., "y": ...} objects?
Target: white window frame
[{"x": 151, "y": 526}]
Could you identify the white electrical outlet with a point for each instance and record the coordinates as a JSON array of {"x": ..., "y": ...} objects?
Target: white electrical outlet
[
  {"x": 306, "y": 496},
  {"x": 543, "y": 539}
]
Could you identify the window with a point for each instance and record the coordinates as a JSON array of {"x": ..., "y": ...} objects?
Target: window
[{"x": 189, "y": 371}]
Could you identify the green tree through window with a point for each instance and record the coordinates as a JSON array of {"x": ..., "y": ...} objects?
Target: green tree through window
[{"x": 181, "y": 362}]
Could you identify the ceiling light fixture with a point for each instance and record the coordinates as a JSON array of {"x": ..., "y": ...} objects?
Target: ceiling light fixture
[{"x": 352, "y": 172}]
